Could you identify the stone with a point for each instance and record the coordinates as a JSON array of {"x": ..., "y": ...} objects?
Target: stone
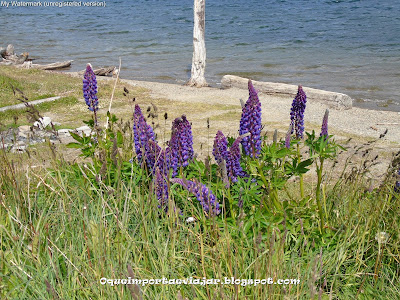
[
  {"x": 84, "y": 129},
  {"x": 42, "y": 123},
  {"x": 5, "y": 146},
  {"x": 64, "y": 132},
  {"x": 24, "y": 128},
  {"x": 24, "y": 131},
  {"x": 18, "y": 149}
]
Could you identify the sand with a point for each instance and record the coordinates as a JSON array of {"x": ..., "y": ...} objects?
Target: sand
[
  {"x": 353, "y": 122},
  {"x": 360, "y": 126}
]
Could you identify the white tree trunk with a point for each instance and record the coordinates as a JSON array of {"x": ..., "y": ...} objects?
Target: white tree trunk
[{"x": 199, "y": 46}]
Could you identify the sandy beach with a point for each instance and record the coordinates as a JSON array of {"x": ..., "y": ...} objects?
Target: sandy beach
[{"x": 364, "y": 123}]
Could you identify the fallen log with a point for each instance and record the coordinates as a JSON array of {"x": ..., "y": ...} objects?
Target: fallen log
[
  {"x": 53, "y": 66},
  {"x": 23, "y": 105},
  {"x": 105, "y": 71},
  {"x": 332, "y": 99},
  {"x": 23, "y": 60},
  {"x": 9, "y": 51}
]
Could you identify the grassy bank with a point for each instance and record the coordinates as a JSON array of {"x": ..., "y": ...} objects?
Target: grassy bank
[{"x": 65, "y": 225}]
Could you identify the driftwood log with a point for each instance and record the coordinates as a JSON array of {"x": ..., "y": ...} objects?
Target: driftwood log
[
  {"x": 105, "y": 71},
  {"x": 53, "y": 66},
  {"x": 332, "y": 99},
  {"x": 23, "y": 60}
]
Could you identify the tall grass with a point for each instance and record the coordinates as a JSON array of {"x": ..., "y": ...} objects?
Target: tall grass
[
  {"x": 66, "y": 227},
  {"x": 62, "y": 231}
]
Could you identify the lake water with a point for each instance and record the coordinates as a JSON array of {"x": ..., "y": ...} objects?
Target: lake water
[{"x": 351, "y": 47}]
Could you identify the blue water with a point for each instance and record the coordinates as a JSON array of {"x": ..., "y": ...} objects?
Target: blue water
[{"x": 351, "y": 47}]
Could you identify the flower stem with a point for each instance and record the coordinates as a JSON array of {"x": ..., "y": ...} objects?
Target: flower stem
[
  {"x": 273, "y": 193},
  {"x": 301, "y": 175},
  {"x": 318, "y": 194}
]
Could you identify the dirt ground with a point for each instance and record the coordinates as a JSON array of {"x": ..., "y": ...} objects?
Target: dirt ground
[{"x": 361, "y": 131}]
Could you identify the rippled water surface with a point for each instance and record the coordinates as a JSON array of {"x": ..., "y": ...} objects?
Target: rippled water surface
[{"x": 351, "y": 47}]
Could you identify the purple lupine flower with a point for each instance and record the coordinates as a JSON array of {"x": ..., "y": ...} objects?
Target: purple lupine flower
[
  {"x": 231, "y": 157},
  {"x": 187, "y": 133},
  {"x": 203, "y": 194},
  {"x": 161, "y": 190},
  {"x": 164, "y": 161},
  {"x": 153, "y": 155},
  {"x": 181, "y": 143},
  {"x": 90, "y": 89},
  {"x": 143, "y": 133},
  {"x": 397, "y": 184},
  {"x": 234, "y": 170},
  {"x": 287, "y": 138},
  {"x": 297, "y": 112},
  {"x": 250, "y": 122},
  {"x": 324, "y": 128},
  {"x": 220, "y": 151}
]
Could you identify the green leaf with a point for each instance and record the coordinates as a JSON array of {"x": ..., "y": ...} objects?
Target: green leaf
[
  {"x": 305, "y": 163},
  {"x": 74, "y": 145},
  {"x": 89, "y": 123},
  {"x": 76, "y": 137},
  {"x": 114, "y": 118},
  {"x": 120, "y": 138}
]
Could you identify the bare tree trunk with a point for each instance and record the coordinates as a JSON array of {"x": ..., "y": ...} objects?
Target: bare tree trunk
[{"x": 199, "y": 46}]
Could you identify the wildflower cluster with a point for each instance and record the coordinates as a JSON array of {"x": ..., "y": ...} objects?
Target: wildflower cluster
[
  {"x": 324, "y": 127},
  {"x": 220, "y": 151},
  {"x": 161, "y": 190},
  {"x": 397, "y": 184},
  {"x": 143, "y": 134},
  {"x": 203, "y": 194},
  {"x": 164, "y": 163},
  {"x": 90, "y": 89},
  {"x": 231, "y": 157},
  {"x": 160, "y": 161},
  {"x": 181, "y": 143},
  {"x": 297, "y": 113},
  {"x": 250, "y": 122}
]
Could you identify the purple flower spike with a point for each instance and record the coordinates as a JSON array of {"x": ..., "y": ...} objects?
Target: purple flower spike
[
  {"x": 143, "y": 134},
  {"x": 297, "y": 112},
  {"x": 233, "y": 167},
  {"x": 220, "y": 151},
  {"x": 164, "y": 161},
  {"x": 181, "y": 143},
  {"x": 90, "y": 89},
  {"x": 161, "y": 190},
  {"x": 324, "y": 128},
  {"x": 250, "y": 122},
  {"x": 153, "y": 155},
  {"x": 203, "y": 194},
  {"x": 187, "y": 133},
  {"x": 232, "y": 157},
  {"x": 397, "y": 184}
]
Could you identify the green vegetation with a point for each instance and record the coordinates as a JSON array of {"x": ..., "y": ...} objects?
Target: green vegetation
[
  {"x": 67, "y": 225},
  {"x": 36, "y": 84}
]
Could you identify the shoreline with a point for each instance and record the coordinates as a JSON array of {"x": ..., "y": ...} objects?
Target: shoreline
[
  {"x": 363, "y": 122},
  {"x": 369, "y": 104},
  {"x": 210, "y": 109}
]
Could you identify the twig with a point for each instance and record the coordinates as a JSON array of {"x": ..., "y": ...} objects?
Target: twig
[
  {"x": 19, "y": 268},
  {"x": 387, "y": 123},
  {"x": 112, "y": 95},
  {"x": 67, "y": 259}
]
